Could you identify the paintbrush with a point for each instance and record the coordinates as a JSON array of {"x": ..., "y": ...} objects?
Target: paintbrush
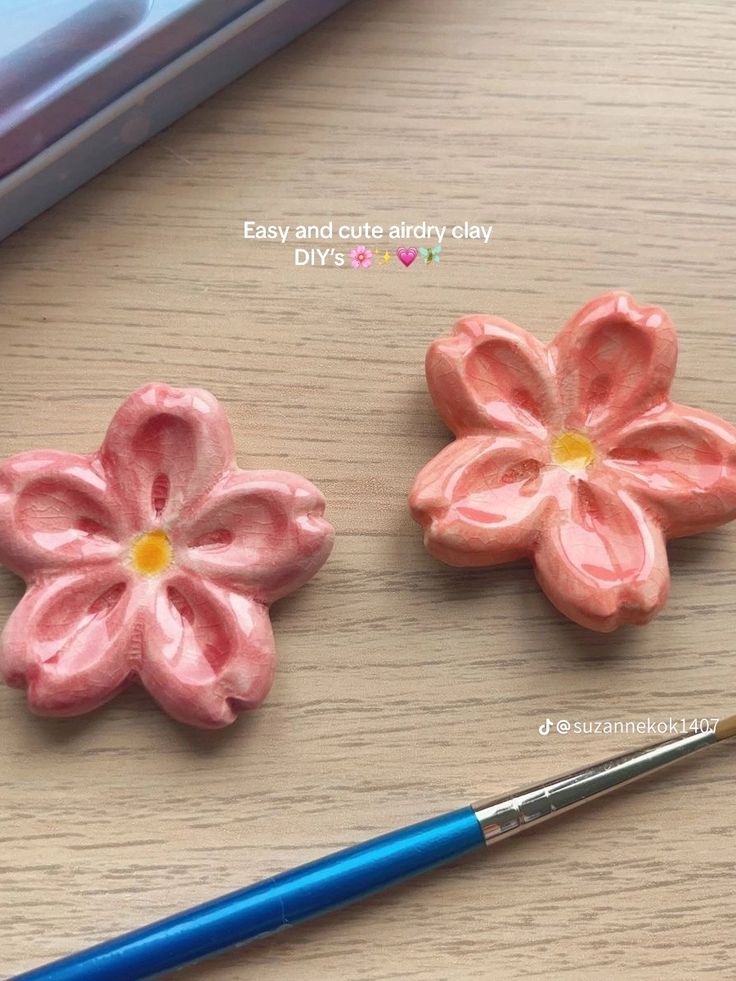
[{"x": 349, "y": 875}]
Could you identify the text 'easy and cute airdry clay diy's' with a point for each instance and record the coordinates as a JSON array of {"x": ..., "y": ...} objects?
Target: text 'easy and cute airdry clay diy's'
[
  {"x": 573, "y": 455},
  {"x": 154, "y": 559}
]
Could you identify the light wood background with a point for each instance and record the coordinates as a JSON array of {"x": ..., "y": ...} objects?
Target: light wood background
[{"x": 599, "y": 140}]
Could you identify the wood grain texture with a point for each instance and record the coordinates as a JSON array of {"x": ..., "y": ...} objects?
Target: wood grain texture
[{"x": 599, "y": 140}]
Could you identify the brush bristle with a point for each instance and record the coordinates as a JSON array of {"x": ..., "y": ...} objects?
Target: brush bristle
[{"x": 726, "y": 728}]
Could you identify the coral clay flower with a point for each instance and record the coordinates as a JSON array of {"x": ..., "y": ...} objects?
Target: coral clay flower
[
  {"x": 154, "y": 558},
  {"x": 361, "y": 257},
  {"x": 574, "y": 456}
]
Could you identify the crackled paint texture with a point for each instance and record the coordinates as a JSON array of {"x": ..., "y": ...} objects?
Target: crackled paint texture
[
  {"x": 154, "y": 559},
  {"x": 573, "y": 455}
]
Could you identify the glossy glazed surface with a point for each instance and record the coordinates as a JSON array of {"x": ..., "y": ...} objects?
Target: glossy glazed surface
[
  {"x": 155, "y": 558},
  {"x": 573, "y": 455}
]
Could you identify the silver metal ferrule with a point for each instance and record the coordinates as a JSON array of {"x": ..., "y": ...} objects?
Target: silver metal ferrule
[{"x": 504, "y": 816}]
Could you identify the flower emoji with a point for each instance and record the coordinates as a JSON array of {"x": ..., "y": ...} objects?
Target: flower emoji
[
  {"x": 155, "y": 558},
  {"x": 573, "y": 455},
  {"x": 361, "y": 257}
]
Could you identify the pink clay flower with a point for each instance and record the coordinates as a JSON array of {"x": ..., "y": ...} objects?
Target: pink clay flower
[
  {"x": 155, "y": 558},
  {"x": 573, "y": 455}
]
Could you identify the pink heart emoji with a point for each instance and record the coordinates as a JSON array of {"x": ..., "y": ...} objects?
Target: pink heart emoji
[{"x": 407, "y": 256}]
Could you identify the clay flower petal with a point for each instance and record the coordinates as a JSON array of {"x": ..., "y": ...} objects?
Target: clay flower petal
[
  {"x": 146, "y": 523},
  {"x": 613, "y": 360},
  {"x": 164, "y": 448},
  {"x": 209, "y": 653},
  {"x": 69, "y": 641},
  {"x": 259, "y": 531},
  {"x": 623, "y": 468},
  {"x": 54, "y": 511},
  {"x": 492, "y": 376},
  {"x": 680, "y": 462},
  {"x": 481, "y": 499},
  {"x": 603, "y": 562}
]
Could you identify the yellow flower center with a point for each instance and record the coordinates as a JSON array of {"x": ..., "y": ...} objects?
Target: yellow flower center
[
  {"x": 151, "y": 553},
  {"x": 574, "y": 451}
]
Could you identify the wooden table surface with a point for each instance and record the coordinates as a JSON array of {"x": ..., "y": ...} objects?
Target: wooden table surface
[{"x": 599, "y": 141}]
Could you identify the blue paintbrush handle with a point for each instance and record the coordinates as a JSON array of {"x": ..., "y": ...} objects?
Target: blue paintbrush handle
[{"x": 273, "y": 904}]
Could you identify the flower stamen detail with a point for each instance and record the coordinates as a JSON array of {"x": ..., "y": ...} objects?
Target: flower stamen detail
[
  {"x": 573, "y": 451},
  {"x": 151, "y": 553}
]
